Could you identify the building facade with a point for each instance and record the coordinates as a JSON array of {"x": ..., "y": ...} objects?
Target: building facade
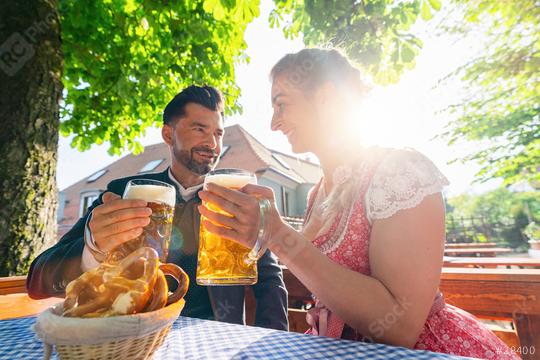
[{"x": 290, "y": 177}]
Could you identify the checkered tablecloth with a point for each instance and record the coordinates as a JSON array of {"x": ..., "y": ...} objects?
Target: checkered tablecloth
[{"x": 202, "y": 339}]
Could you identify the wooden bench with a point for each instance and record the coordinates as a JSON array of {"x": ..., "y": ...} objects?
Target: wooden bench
[
  {"x": 507, "y": 294},
  {"x": 491, "y": 262},
  {"x": 495, "y": 294},
  {"x": 479, "y": 252},
  {"x": 470, "y": 245},
  {"x": 12, "y": 285}
]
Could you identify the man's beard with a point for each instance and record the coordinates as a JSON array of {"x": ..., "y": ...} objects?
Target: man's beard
[{"x": 185, "y": 157}]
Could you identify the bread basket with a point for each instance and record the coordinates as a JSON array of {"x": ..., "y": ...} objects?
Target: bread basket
[{"x": 135, "y": 336}]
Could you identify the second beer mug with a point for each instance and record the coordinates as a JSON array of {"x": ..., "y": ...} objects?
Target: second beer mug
[
  {"x": 161, "y": 198},
  {"x": 222, "y": 261}
]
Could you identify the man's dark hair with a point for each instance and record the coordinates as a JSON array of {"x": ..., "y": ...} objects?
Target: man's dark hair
[{"x": 206, "y": 96}]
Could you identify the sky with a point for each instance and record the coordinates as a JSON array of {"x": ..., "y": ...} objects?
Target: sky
[{"x": 402, "y": 115}]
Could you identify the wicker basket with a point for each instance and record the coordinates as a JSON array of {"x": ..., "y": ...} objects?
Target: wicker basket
[{"x": 118, "y": 337}]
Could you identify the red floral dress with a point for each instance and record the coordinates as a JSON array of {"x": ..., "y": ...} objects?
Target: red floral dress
[{"x": 376, "y": 187}]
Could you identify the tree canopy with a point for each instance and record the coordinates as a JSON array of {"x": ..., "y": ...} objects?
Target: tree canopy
[
  {"x": 376, "y": 34},
  {"x": 125, "y": 58},
  {"x": 500, "y": 109}
]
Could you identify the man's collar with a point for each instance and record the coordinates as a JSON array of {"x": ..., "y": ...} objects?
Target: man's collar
[{"x": 185, "y": 193}]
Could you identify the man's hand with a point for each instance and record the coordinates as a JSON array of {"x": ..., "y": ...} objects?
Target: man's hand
[{"x": 118, "y": 220}]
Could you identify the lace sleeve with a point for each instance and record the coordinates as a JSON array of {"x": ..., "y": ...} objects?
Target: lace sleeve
[{"x": 402, "y": 180}]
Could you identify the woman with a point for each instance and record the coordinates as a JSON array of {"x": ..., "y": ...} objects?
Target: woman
[{"x": 372, "y": 245}]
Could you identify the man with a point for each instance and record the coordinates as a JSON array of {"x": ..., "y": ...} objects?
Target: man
[{"x": 193, "y": 130}]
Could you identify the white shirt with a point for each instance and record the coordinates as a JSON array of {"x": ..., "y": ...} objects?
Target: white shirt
[
  {"x": 185, "y": 193},
  {"x": 89, "y": 262}
]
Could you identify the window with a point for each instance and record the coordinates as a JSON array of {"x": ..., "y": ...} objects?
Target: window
[
  {"x": 280, "y": 160},
  {"x": 151, "y": 165},
  {"x": 224, "y": 150},
  {"x": 284, "y": 202},
  {"x": 96, "y": 176},
  {"x": 87, "y": 198}
]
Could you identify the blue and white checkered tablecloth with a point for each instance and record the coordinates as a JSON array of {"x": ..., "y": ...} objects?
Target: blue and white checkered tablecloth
[{"x": 202, "y": 339}]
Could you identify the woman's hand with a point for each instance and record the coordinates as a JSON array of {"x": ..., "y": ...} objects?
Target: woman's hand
[{"x": 243, "y": 206}]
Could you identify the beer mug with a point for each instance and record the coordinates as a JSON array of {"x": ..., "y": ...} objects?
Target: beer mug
[
  {"x": 222, "y": 261},
  {"x": 161, "y": 198}
]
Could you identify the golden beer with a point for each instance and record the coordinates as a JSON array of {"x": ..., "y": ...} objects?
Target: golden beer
[
  {"x": 161, "y": 198},
  {"x": 222, "y": 261}
]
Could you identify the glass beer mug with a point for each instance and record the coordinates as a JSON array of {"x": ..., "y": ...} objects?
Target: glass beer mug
[
  {"x": 222, "y": 261},
  {"x": 161, "y": 198}
]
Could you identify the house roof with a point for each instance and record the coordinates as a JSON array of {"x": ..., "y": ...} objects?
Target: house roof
[
  {"x": 260, "y": 158},
  {"x": 244, "y": 152},
  {"x": 308, "y": 171}
]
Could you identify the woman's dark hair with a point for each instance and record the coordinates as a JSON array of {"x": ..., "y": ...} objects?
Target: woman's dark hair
[
  {"x": 206, "y": 96},
  {"x": 310, "y": 68}
]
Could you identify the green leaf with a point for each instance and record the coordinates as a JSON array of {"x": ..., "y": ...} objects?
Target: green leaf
[
  {"x": 407, "y": 53},
  {"x": 425, "y": 11},
  {"x": 435, "y": 4},
  {"x": 215, "y": 7},
  {"x": 130, "y": 6}
]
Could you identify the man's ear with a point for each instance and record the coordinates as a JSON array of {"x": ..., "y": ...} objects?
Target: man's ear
[{"x": 167, "y": 134}]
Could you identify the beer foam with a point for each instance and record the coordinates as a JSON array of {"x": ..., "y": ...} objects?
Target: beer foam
[
  {"x": 152, "y": 193},
  {"x": 233, "y": 181}
]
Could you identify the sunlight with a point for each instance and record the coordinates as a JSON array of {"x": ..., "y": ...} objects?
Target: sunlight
[
  {"x": 378, "y": 120},
  {"x": 391, "y": 117}
]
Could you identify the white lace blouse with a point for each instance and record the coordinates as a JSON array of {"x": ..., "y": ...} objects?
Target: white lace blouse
[{"x": 401, "y": 181}]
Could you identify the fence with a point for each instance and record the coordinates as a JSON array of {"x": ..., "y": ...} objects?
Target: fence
[
  {"x": 466, "y": 230},
  {"x": 480, "y": 229}
]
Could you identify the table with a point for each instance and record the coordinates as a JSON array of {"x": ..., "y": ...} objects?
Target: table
[
  {"x": 491, "y": 262},
  {"x": 469, "y": 245},
  {"x": 487, "y": 252},
  {"x": 203, "y": 339},
  {"x": 19, "y": 305}
]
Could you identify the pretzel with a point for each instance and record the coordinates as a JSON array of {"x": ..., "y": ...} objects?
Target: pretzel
[
  {"x": 114, "y": 289},
  {"x": 125, "y": 285},
  {"x": 158, "y": 299},
  {"x": 180, "y": 276}
]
